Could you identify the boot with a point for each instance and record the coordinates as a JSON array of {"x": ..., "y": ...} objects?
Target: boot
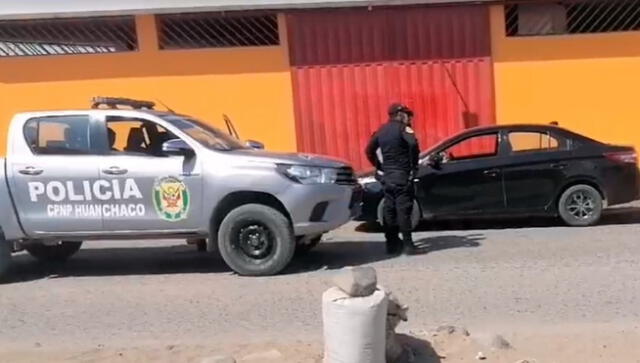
[
  {"x": 408, "y": 248},
  {"x": 394, "y": 243}
]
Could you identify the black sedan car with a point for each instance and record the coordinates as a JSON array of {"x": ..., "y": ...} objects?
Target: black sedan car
[{"x": 517, "y": 170}]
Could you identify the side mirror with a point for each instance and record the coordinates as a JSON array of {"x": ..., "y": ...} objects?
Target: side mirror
[
  {"x": 177, "y": 147},
  {"x": 436, "y": 160},
  {"x": 257, "y": 145}
]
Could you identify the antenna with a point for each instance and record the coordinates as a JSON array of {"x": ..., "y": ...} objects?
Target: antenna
[
  {"x": 230, "y": 127},
  {"x": 165, "y": 106}
]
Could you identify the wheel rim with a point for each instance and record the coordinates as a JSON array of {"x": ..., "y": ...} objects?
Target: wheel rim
[
  {"x": 581, "y": 205},
  {"x": 255, "y": 241}
]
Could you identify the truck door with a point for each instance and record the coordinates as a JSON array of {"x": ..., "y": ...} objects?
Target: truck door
[
  {"x": 156, "y": 192},
  {"x": 53, "y": 181}
]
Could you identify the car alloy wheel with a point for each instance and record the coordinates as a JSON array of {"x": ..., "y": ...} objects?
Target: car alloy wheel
[{"x": 581, "y": 205}]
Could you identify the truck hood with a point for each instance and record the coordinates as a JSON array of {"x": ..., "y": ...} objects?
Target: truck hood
[{"x": 291, "y": 158}]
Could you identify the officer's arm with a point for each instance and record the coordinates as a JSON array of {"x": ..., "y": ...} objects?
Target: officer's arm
[
  {"x": 414, "y": 147},
  {"x": 371, "y": 150}
]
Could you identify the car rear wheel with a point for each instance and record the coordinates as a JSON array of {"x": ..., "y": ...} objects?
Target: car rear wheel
[
  {"x": 305, "y": 244},
  {"x": 580, "y": 205},
  {"x": 53, "y": 253},
  {"x": 256, "y": 240},
  {"x": 416, "y": 215}
]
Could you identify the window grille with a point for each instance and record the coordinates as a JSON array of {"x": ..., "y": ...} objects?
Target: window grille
[
  {"x": 572, "y": 17},
  {"x": 217, "y": 30},
  {"x": 45, "y": 37}
]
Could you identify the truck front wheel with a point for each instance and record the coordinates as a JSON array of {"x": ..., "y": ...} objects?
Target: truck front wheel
[
  {"x": 256, "y": 240},
  {"x": 53, "y": 253}
]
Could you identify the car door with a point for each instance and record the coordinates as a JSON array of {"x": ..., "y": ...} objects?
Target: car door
[
  {"x": 535, "y": 169},
  {"x": 53, "y": 180},
  {"x": 152, "y": 191},
  {"x": 467, "y": 182}
]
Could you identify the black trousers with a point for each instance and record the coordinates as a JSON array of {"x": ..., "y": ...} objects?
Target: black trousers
[{"x": 398, "y": 207}]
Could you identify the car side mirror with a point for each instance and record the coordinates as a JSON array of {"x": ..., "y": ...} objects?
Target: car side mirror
[
  {"x": 257, "y": 145},
  {"x": 436, "y": 160},
  {"x": 177, "y": 147}
]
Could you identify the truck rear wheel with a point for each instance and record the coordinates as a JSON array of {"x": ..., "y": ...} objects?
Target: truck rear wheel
[
  {"x": 53, "y": 253},
  {"x": 5, "y": 257},
  {"x": 256, "y": 240}
]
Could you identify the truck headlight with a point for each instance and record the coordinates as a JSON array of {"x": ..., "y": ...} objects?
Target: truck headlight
[{"x": 309, "y": 174}]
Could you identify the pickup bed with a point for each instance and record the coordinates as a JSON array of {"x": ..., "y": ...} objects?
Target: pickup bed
[{"x": 115, "y": 173}]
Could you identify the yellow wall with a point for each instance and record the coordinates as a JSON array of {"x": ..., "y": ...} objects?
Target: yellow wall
[
  {"x": 588, "y": 83},
  {"x": 251, "y": 85}
]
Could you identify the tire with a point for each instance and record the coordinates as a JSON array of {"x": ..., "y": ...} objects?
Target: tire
[
  {"x": 305, "y": 244},
  {"x": 256, "y": 240},
  {"x": 53, "y": 253},
  {"x": 5, "y": 257},
  {"x": 580, "y": 206},
  {"x": 416, "y": 214}
]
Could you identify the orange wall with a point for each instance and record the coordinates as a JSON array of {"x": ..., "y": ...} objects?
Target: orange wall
[
  {"x": 588, "y": 83},
  {"x": 251, "y": 85}
]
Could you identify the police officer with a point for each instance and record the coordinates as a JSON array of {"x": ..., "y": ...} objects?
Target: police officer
[{"x": 399, "y": 149}]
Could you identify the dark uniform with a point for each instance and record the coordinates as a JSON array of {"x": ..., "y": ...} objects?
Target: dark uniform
[{"x": 400, "y": 152}]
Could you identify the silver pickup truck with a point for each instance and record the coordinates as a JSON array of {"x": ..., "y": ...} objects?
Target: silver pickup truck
[{"x": 137, "y": 173}]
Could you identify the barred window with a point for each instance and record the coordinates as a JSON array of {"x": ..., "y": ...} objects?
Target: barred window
[
  {"x": 217, "y": 30},
  {"x": 572, "y": 17},
  {"x": 42, "y": 37}
]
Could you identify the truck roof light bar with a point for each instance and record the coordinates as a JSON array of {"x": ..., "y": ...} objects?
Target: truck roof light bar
[{"x": 116, "y": 102}]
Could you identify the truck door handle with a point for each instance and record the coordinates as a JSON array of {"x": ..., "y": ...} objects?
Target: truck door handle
[
  {"x": 114, "y": 170},
  {"x": 559, "y": 165},
  {"x": 30, "y": 170},
  {"x": 491, "y": 172}
]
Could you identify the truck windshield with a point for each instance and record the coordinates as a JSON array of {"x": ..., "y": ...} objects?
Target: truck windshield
[{"x": 206, "y": 135}]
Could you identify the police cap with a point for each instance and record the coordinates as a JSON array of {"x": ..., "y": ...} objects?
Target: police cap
[{"x": 399, "y": 107}]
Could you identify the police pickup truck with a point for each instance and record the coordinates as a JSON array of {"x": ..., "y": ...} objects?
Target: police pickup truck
[{"x": 122, "y": 170}]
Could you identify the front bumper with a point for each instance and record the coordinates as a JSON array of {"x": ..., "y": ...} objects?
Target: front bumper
[{"x": 317, "y": 209}]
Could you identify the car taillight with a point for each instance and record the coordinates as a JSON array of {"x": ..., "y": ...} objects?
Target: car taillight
[{"x": 624, "y": 157}]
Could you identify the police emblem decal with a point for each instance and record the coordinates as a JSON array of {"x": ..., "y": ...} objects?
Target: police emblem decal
[{"x": 171, "y": 199}]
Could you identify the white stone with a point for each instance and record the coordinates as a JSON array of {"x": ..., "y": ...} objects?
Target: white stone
[{"x": 357, "y": 281}]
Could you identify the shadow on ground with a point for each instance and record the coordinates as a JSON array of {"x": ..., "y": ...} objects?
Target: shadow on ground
[
  {"x": 611, "y": 217},
  {"x": 184, "y": 259},
  {"x": 336, "y": 255},
  {"x": 421, "y": 350}
]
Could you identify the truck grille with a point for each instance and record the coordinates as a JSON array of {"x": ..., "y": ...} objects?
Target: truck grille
[{"x": 346, "y": 176}]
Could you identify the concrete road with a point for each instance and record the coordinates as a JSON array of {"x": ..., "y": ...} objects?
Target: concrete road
[{"x": 478, "y": 275}]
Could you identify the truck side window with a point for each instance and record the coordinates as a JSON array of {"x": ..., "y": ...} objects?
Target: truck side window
[
  {"x": 137, "y": 137},
  {"x": 58, "y": 135}
]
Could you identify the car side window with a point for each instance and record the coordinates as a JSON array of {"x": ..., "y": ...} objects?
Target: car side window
[
  {"x": 59, "y": 135},
  {"x": 480, "y": 146},
  {"x": 136, "y": 137},
  {"x": 532, "y": 141}
]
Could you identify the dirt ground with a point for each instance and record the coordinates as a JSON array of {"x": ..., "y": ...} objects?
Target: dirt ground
[
  {"x": 557, "y": 294},
  {"x": 591, "y": 344}
]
